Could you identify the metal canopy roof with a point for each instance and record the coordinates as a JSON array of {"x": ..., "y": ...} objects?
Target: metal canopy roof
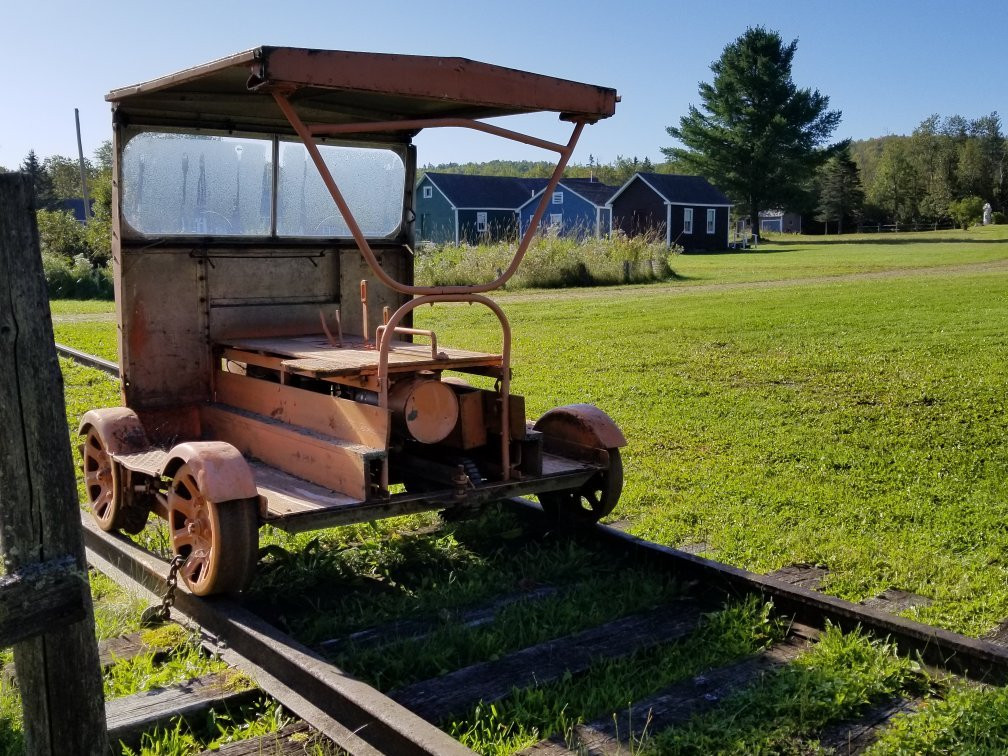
[{"x": 332, "y": 86}]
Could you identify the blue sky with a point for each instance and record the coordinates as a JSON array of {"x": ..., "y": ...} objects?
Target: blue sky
[{"x": 886, "y": 65}]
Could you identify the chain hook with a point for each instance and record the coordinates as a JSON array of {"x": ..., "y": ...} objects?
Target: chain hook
[{"x": 154, "y": 615}]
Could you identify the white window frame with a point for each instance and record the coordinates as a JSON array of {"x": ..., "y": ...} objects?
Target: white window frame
[
  {"x": 711, "y": 220},
  {"x": 481, "y": 222},
  {"x": 556, "y": 220},
  {"x": 687, "y": 220},
  {"x": 557, "y": 198},
  {"x": 428, "y": 192}
]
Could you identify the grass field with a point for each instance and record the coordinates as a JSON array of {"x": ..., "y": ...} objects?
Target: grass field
[
  {"x": 856, "y": 423},
  {"x": 840, "y": 403}
]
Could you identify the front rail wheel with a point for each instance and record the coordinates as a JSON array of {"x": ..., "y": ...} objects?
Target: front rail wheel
[
  {"x": 219, "y": 540},
  {"x": 105, "y": 498},
  {"x": 592, "y": 501}
]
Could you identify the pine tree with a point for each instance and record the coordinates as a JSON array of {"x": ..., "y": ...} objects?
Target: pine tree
[
  {"x": 759, "y": 136},
  {"x": 40, "y": 180},
  {"x": 840, "y": 193}
]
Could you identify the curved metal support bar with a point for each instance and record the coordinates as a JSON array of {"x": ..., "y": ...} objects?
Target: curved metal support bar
[
  {"x": 505, "y": 384},
  {"x": 365, "y": 249}
]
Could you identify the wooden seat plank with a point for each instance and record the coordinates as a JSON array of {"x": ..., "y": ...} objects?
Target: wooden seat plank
[
  {"x": 314, "y": 354},
  {"x": 325, "y": 461},
  {"x": 347, "y": 420}
]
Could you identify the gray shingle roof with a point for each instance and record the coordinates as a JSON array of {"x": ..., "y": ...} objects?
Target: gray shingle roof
[
  {"x": 686, "y": 190},
  {"x": 486, "y": 191},
  {"x": 594, "y": 191}
]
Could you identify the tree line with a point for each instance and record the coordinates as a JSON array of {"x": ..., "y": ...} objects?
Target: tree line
[
  {"x": 74, "y": 256},
  {"x": 928, "y": 175},
  {"x": 615, "y": 173}
]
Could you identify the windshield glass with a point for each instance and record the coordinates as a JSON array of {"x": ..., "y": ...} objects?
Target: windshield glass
[
  {"x": 194, "y": 184},
  {"x": 371, "y": 181}
]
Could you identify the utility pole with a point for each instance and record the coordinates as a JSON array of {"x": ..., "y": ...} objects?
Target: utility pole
[{"x": 83, "y": 173}]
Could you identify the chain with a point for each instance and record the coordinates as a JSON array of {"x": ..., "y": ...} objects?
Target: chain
[{"x": 156, "y": 614}]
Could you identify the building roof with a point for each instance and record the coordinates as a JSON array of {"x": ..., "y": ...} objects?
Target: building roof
[
  {"x": 503, "y": 192},
  {"x": 591, "y": 190},
  {"x": 676, "y": 189},
  {"x": 75, "y": 206}
]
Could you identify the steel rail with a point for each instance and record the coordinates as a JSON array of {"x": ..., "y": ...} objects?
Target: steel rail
[
  {"x": 355, "y": 716},
  {"x": 974, "y": 658},
  {"x": 89, "y": 360}
]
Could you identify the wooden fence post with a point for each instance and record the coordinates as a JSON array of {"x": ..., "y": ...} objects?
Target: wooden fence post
[{"x": 58, "y": 672}]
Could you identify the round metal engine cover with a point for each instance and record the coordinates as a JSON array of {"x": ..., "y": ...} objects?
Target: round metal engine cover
[{"x": 428, "y": 408}]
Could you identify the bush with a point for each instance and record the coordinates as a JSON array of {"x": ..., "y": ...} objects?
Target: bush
[
  {"x": 550, "y": 262},
  {"x": 75, "y": 278},
  {"x": 967, "y": 211},
  {"x": 998, "y": 218},
  {"x": 60, "y": 234}
]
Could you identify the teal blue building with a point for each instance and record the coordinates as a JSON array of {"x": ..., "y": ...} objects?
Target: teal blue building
[{"x": 459, "y": 209}]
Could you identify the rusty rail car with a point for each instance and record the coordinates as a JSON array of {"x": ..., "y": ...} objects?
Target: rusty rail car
[{"x": 262, "y": 249}]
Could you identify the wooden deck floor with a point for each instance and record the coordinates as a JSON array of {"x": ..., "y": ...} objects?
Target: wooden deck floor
[{"x": 314, "y": 354}]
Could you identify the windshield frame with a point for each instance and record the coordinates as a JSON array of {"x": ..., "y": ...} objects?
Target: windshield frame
[{"x": 403, "y": 150}]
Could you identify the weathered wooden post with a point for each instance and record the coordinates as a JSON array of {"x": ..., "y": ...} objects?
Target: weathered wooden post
[{"x": 58, "y": 671}]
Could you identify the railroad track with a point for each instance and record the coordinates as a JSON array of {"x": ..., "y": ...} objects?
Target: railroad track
[{"x": 411, "y": 715}]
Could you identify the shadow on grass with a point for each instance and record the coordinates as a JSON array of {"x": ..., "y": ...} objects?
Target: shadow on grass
[
  {"x": 748, "y": 251},
  {"x": 894, "y": 239}
]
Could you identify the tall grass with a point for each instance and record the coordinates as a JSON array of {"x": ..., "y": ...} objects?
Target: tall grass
[{"x": 551, "y": 262}]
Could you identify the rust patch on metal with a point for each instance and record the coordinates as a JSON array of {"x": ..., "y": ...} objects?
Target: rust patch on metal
[{"x": 581, "y": 424}]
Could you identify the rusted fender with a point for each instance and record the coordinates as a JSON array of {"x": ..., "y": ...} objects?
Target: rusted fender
[
  {"x": 221, "y": 471},
  {"x": 582, "y": 424},
  {"x": 119, "y": 427}
]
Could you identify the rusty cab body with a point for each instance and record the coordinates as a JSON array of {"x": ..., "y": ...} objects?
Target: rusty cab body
[{"x": 263, "y": 261}]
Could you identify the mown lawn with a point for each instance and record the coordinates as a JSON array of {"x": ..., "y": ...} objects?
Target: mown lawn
[
  {"x": 856, "y": 422},
  {"x": 788, "y": 256}
]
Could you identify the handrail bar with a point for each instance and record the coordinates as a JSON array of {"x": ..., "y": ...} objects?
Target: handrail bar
[{"x": 305, "y": 133}]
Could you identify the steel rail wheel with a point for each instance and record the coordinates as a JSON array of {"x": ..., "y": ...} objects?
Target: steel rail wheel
[
  {"x": 219, "y": 540},
  {"x": 104, "y": 492},
  {"x": 592, "y": 501}
]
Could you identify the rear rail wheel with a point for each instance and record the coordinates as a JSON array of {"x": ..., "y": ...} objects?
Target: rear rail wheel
[
  {"x": 592, "y": 501},
  {"x": 582, "y": 431}
]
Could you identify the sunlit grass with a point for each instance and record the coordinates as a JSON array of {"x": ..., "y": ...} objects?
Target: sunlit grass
[
  {"x": 857, "y": 423},
  {"x": 794, "y": 257},
  {"x": 80, "y": 306},
  {"x": 967, "y": 719},
  {"x": 784, "y": 711},
  {"x": 545, "y": 711}
]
